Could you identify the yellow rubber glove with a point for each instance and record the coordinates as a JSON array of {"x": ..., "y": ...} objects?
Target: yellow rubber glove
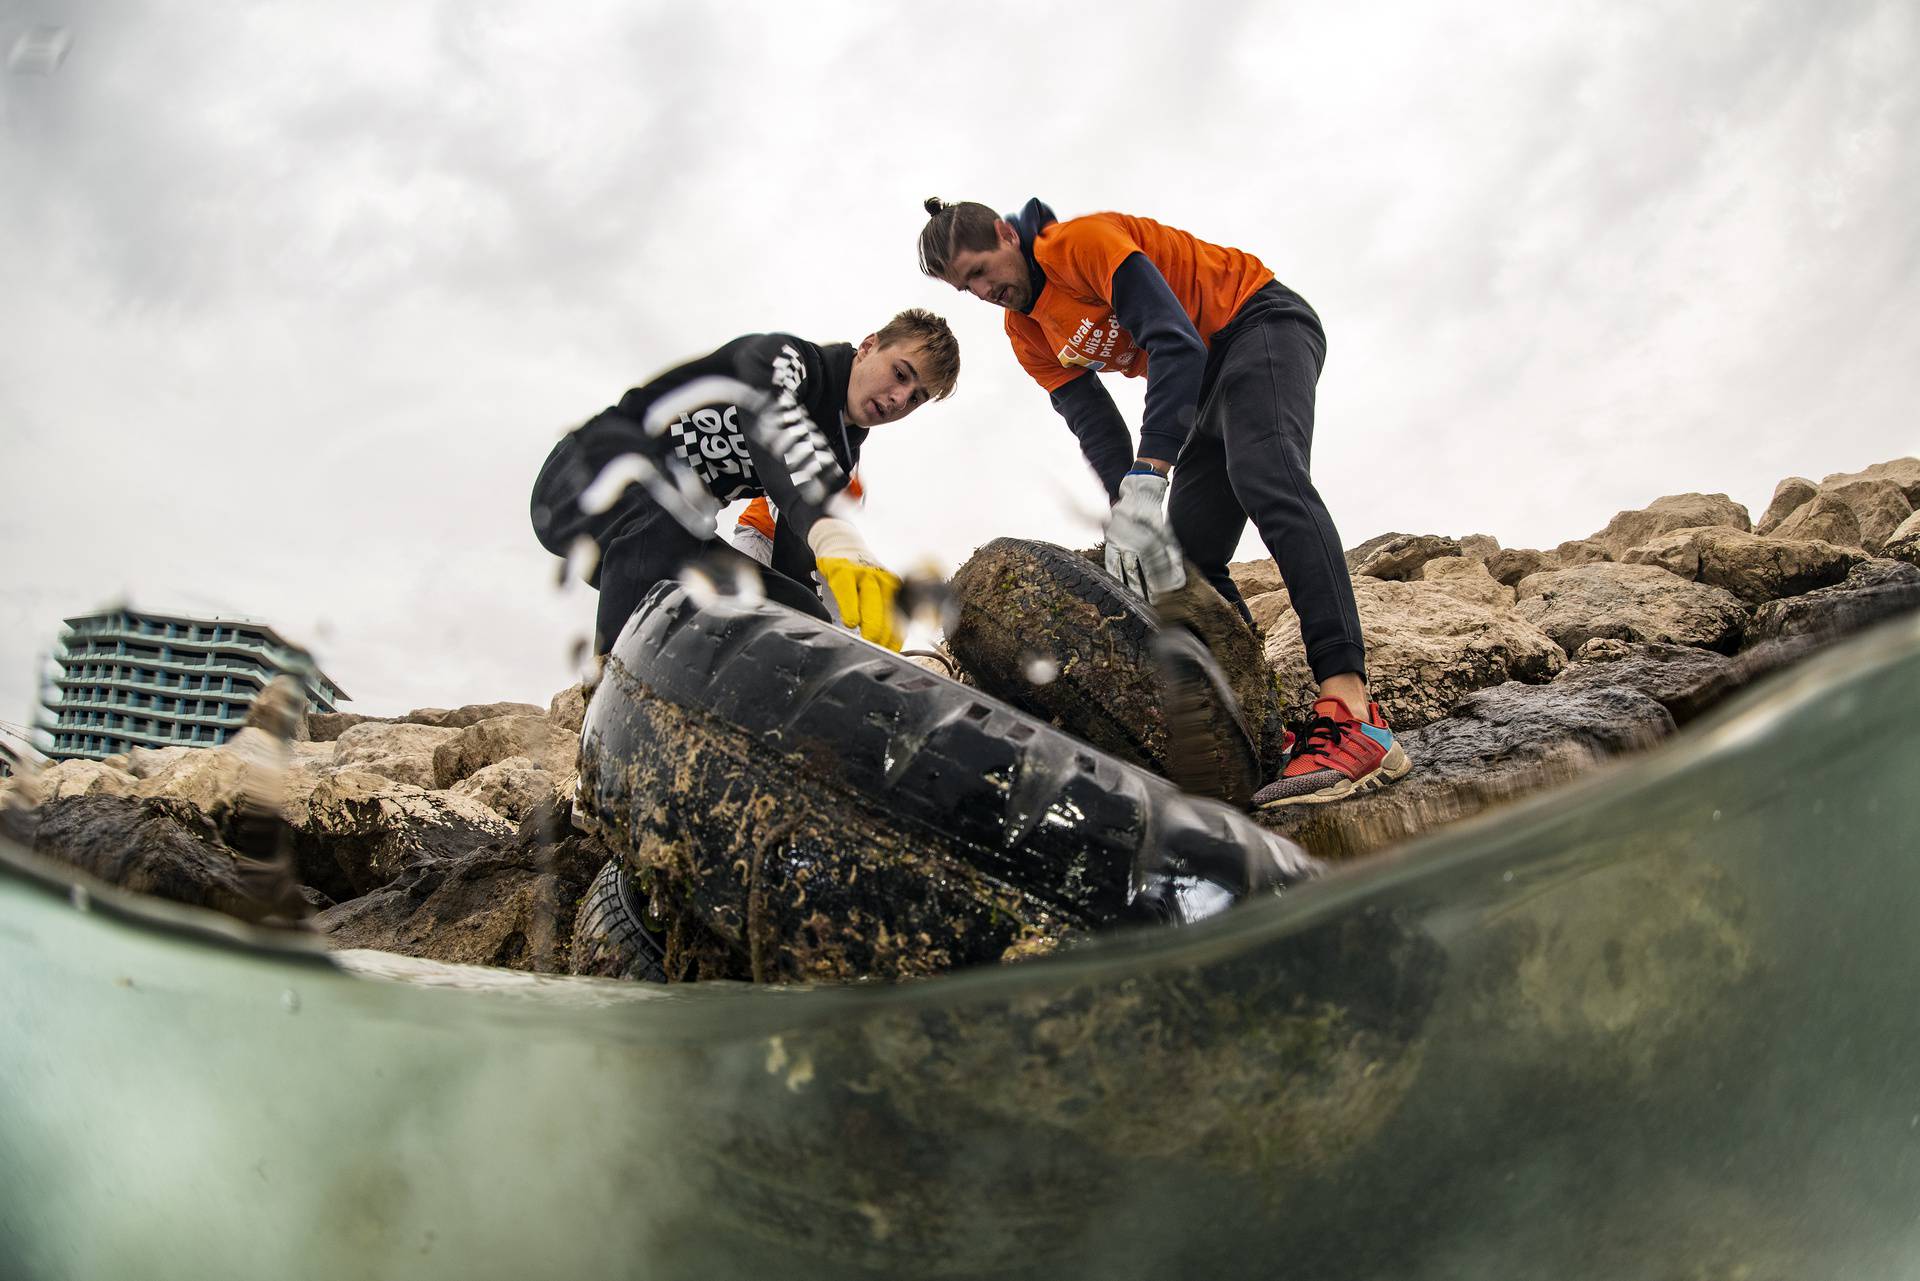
[{"x": 862, "y": 587}]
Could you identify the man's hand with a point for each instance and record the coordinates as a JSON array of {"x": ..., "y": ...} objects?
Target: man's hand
[
  {"x": 863, "y": 588},
  {"x": 1141, "y": 550}
]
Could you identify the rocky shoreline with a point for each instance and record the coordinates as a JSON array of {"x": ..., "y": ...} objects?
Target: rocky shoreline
[{"x": 445, "y": 834}]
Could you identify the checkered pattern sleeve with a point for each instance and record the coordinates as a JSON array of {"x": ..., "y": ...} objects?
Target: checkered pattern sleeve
[{"x": 790, "y": 453}]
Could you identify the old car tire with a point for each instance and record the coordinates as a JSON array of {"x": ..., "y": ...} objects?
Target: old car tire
[
  {"x": 1045, "y": 629},
  {"x": 831, "y": 810},
  {"x": 611, "y": 937}
]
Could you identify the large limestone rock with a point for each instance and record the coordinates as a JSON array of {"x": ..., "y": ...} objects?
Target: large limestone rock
[
  {"x": 471, "y": 714},
  {"x": 1398, "y": 557},
  {"x": 1498, "y": 745},
  {"x": 1469, "y": 580},
  {"x": 1788, "y": 497},
  {"x": 1580, "y": 551},
  {"x": 1904, "y": 472},
  {"x": 1631, "y": 529},
  {"x": 1630, "y": 602},
  {"x": 64, "y": 779},
  {"x": 1873, "y": 590},
  {"x": 1256, "y": 577},
  {"x": 360, "y": 830},
  {"x": 1479, "y": 546},
  {"x": 1268, "y": 609},
  {"x": 1753, "y": 568},
  {"x": 1512, "y": 564},
  {"x": 324, "y": 727},
  {"x": 213, "y": 780},
  {"x": 1426, "y": 649},
  {"x": 1824, "y": 518},
  {"x": 568, "y": 708},
  {"x": 402, "y": 752},
  {"x": 1878, "y": 505},
  {"x": 482, "y": 743},
  {"x": 512, "y": 788},
  {"x": 1904, "y": 542},
  {"x": 509, "y": 902},
  {"x": 145, "y": 762}
]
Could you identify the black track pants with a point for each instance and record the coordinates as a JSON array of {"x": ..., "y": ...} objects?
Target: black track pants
[
  {"x": 640, "y": 544},
  {"x": 1247, "y": 459}
]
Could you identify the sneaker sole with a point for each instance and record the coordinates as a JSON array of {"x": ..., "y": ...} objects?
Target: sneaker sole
[{"x": 1391, "y": 770}]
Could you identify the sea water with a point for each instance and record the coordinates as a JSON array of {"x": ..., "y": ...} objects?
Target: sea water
[{"x": 1665, "y": 1023}]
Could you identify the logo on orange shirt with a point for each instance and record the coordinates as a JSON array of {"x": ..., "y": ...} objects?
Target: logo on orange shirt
[{"x": 1095, "y": 342}]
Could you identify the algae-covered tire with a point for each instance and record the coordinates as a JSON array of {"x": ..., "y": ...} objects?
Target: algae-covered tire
[
  {"x": 1046, "y": 630},
  {"x": 822, "y": 808},
  {"x": 610, "y": 934}
]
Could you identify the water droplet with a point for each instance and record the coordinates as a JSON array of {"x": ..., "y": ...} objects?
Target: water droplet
[
  {"x": 1716, "y": 816},
  {"x": 1040, "y": 669},
  {"x": 290, "y": 1001},
  {"x": 1506, "y": 876},
  {"x": 81, "y": 900}
]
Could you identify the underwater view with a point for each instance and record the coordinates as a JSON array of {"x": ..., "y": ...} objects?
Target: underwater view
[{"x": 1660, "y": 1023}]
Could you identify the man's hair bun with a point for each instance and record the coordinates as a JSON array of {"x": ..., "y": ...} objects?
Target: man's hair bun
[{"x": 934, "y": 205}]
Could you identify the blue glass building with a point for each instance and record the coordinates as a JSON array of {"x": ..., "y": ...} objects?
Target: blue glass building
[{"x": 133, "y": 679}]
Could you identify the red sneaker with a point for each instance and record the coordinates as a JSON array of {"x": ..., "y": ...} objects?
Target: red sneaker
[{"x": 1340, "y": 756}]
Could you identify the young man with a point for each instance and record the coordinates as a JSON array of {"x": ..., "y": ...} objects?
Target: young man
[
  {"x": 1231, "y": 357},
  {"x": 765, "y": 414}
]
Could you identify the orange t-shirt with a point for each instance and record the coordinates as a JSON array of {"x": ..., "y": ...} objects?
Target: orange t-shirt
[
  {"x": 1072, "y": 326},
  {"x": 758, "y": 514}
]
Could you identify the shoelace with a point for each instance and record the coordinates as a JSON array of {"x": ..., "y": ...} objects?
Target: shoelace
[{"x": 1319, "y": 737}]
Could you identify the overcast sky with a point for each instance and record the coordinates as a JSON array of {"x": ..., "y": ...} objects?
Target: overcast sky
[{"x": 295, "y": 299}]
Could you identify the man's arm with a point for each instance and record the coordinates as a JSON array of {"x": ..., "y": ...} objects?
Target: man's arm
[
  {"x": 1145, "y": 304},
  {"x": 1095, "y": 420},
  {"x": 789, "y": 451}
]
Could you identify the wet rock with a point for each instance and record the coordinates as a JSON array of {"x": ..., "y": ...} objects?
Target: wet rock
[
  {"x": 399, "y": 751},
  {"x": 484, "y": 742},
  {"x": 1904, "y": 542},
  {"x": 163, "y": 847},
  {"x": 512, "y": 788},
  {"x": 1824, "y": 518},
  {"x": 1753, "y": 568},
  {"x": 1878, "y": 505},
  {"x": 1873, "y": 590},
  {"x": 1469, "y": 580},
  {"x": 1426, "y": 649},
  {"x": 361, "y": 830},
  {"x": 1788, "y": 497},
  {"x": 1580, "y": 551},
  {"x": 1398, "y": 557},
  {"x": 1630, "y": 602},
  {"x": 1500, "y": 744},
  {"x": 1630, "y": 529},
  {"x": 1511, "y": 565},
  {"x": 1684, "y": 680},
  {"x": 509, "y": 902}
]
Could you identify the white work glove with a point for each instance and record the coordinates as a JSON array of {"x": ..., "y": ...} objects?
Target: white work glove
[
  {"x": 862, "y": 587},
  {"x": 1141, "y": 550}
]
